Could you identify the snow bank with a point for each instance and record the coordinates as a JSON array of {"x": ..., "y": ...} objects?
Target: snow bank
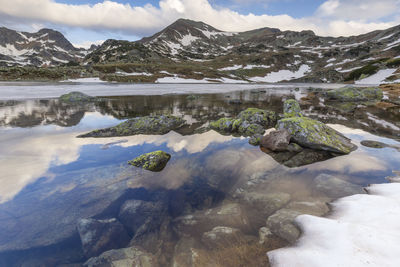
[
  {"x": 377, "y": 78},
  {"x": 283, "y": 75},
  {"x": 364, "y": 230},
  {"x": 85, "y": 80}
]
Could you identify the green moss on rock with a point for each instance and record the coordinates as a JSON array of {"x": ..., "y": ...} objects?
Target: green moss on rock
[
  {"x": 291, "y": 108},
  {"x": 152, "y": 125},
  {"x": 316, "y": 135},
  {"x": 353, "y": 94},
  {"x": 153, "y": 161},
  {"x": 76, "y": 97},
  {"x": 265, "y": 118}
]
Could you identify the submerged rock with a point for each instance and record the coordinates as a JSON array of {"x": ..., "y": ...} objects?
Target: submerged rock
[
  {"x": 220, "y": 236},
  {"x": 76, "y": 97},
  {"x": 153, "y": 161},
  {"x": 142, "y": 125},
  {"x": 98, "y": 236},
  {"x": 376, "y": 144},
  {"x": 291, "y": 108},
  {"x": 316, "y": 135},
  {"x": 335, "y": 187},
  {"x": 353, "y": 94},
  {"x": 135, "y": 214},
  {"x": 124, "y": 257},
  {"x": 276, "y": 140}
]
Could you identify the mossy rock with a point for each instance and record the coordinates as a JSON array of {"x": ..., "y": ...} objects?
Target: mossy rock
[
  {"x": 291, "y": 108},
  {"x": 76, "y": 97},
  {"x": 223, "y": 124},
  {"x": 151, "y": 125},
  {"x": 265, "y": 118},
  {"x": 316, "y": 135},
  {"x": 255, "y": 140},
  {"x": 246, "y": 128},
  {"x": 153, "y": 161},
  {"x": 353, "y": 94}
]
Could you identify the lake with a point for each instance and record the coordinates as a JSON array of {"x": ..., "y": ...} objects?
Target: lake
[{"x": 214, "y": 184}]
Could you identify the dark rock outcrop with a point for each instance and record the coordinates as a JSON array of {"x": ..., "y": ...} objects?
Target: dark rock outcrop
[{"x": 276, "y": 140}]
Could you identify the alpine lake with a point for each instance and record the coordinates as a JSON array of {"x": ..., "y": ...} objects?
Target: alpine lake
[{"x": 219, "y": 201}]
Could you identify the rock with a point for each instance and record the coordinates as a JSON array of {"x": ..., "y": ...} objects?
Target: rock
[
  {"x": 276, "y": 140},
  {"x": 153, "y": 161},
  {"x": 291, "y": 108},
  {"x": 306, "y": 157},
  {"x": 223, "y": 125},
  {"x": 98, "y": 236},
  {"x": 281, "y": 224},
  {"x": 135, "y": 213},
  {"x": 353, "y": 94},
  {"x": 255, "y": 140},
  {"x": 264, "y": 118},
  {"x": 263, "y": 235},
  {"x": 76, "y": 97},
  {"x": 293, "y": 147},
  {"x": 246, "y": 128},
  {"x": 154, "y": 125},
  {"x": 376, "y": 144},
  {"x": 185, "y": 252},
  {"x": 124, "y": 257},
  {"x": 266, "y": 203},
  {"x": 334, "y": 187},
  {"x": 316, "y": 135},
  {"x": 220, "y": 236}
]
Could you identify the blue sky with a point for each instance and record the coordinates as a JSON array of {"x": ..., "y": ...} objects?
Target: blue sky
[{"x": 86, "y": 21}]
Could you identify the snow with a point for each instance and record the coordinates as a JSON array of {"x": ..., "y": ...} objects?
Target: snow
[
  {"x": 234, "y": 67},
  {"x": 346, "y": 70},
  {"x": 181, "y": 80},
  {"x": 283, "y": 75},
  {"x": 188, "y": 39},
  {"x": 123, "y": 73},
  {"x": 386, "y": 37},
  {"x": 378, "y": 77},
  {"x": 362, "y": 231},
  {"x": 84, "y": 80},
  {"x": 392, "y": 44},
  {"x": 247, "y": 67},
  {"x": 210, "y": 34}
]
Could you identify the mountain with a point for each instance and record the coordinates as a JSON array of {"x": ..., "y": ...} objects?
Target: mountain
[
  {"x": 261, "y": 55},
  {"x": 43, "y": 48}
]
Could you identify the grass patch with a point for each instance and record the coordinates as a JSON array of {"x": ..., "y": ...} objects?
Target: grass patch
[{"x": 364, "y": 71}]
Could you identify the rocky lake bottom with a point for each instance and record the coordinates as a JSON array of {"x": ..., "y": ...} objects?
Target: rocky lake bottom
[{"x": 219, "y": 201}]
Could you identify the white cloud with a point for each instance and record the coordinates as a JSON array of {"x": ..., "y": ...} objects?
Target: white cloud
[{"x": 333, "y": 17}]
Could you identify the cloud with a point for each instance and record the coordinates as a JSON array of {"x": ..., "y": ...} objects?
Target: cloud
[{"x": 333, "y": 17}]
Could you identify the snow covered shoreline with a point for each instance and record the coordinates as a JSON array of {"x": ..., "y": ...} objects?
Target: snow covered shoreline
[{"x": 363, "y": 230}]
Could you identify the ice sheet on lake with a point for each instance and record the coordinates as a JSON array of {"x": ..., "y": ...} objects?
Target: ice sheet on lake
[
  {"x": 364, "y": 230},
  {"x": 31, "y": 90}
]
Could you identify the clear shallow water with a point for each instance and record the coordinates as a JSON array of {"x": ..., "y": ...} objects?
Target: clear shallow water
[{"x": 49, "y": 179}]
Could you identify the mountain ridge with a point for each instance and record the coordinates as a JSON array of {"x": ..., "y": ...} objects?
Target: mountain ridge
[{"x": 188, "y": 49}]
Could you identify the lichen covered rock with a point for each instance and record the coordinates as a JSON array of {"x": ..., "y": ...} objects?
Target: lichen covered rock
[
  {"x": 223, "y": 124},
  {"x": 291, "y": 108},
  {"x": 142, "y": 125},
  {"x": 131, "y": 256},
  {"x": 265, "y": 118},
  {"x": 76, "y": 97},
  {"x": 153, "y": 161},
  {"x": 316, "y": 135},
  {"x": 353, "y": 94}
]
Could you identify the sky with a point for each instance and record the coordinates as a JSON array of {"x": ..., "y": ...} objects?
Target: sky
[{"x": 92, "y": 21}]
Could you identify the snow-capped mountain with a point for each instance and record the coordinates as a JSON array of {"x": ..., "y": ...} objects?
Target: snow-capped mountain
[
  {"x": 43, "y": 48},
  {"x": 262, "y": 55}
]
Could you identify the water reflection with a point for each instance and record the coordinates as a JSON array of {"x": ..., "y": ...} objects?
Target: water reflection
[{"x": 49, "y": 179}]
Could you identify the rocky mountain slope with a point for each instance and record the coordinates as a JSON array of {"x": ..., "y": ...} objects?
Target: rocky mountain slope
[
  {"x": 43, "y": 48},
  {"x": 194, "y": 52}
]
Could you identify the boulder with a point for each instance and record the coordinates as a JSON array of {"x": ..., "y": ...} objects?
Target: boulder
[
  {"x": 76, "y": 97},
  {"x": 98, "y": 236},
  {"x": 153, "y": 161},
  {"x": 316, "y": 135},
  {"x": 131, "y": 256},
  {"x": 276, "y": 140},
  {"x": 255, "y": 140},
  {"x": 265, "y": 118},
  {"x": 223, "y": 125},
  {"x": 246, "y": 128},
  {"x": 220, "y": 236},
  {"x": 335, "y": 187},
  {"x": 264, "y": 234},
  {"x": 291, "y": 108},
  {"x": 152, "y": 125},
  {"x": 134, "y": 214},
  {"x": 281, "y": 224},
  {"x": 353, "y": 94}
]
